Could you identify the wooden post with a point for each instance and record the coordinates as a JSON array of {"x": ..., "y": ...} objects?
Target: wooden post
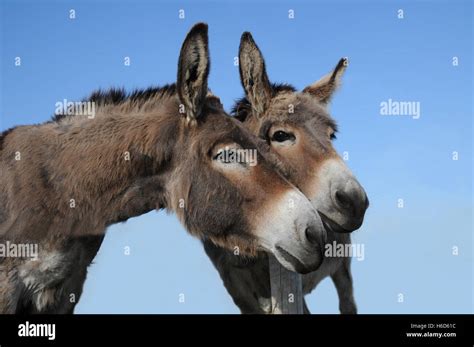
[{"x": 287, "y": 289}]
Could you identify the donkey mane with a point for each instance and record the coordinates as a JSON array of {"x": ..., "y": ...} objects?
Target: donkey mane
[
  {"x": 119, "y": 96},
  {"x": 136, "y": 99}
]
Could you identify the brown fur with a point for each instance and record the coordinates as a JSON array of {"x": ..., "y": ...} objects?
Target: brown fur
[
  {"x": 74, "y": 157},
  {"x": 304, "y": 115},
  {"x": 309, "y": 122}
]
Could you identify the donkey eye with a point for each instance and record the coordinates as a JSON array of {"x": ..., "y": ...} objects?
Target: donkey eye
[{"x": 281, "y": 136}]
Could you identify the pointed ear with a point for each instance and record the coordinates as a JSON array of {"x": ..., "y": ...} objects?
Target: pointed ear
[
  {"x": 193, "y": 71},
  {"x": 326, "y": 86},
  {"x": 253, "y": 75}
]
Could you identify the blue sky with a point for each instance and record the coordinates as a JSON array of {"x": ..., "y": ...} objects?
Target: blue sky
[{"x": 407, "y": 250}]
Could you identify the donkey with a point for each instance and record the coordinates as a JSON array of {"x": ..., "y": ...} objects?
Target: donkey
[
  {"x": 299, "y": 130},
  {"x": 64, "y": 182}
]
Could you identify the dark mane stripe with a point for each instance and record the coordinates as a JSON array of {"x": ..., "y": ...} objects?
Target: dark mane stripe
[{"x": 118, "y": 96}]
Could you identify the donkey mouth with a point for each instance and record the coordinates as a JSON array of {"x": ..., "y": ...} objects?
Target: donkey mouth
[{"x": 331, "y": 225}]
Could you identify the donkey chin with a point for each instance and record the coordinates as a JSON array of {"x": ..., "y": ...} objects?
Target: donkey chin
[{"x": 298, "y": 246}]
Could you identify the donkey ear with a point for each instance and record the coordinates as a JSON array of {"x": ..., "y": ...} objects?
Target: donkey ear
[
  {"x": 326, "y": 86},
  {"x": 253, "y": 75},
  {"x": 193, "y": 71}
]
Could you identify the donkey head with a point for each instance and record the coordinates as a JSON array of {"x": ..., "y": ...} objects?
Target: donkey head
[
  {"x": 300, "y": 131},
  {"x": 218, "y": 191}
]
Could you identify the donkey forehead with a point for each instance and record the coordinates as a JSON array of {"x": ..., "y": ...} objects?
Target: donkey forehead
[{"x": 299, "y": 109}]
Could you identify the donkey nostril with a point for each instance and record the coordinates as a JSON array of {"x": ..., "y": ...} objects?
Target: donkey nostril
[
  {"x": 311, "y": 235},
  {"x": 343, "y": 200}
]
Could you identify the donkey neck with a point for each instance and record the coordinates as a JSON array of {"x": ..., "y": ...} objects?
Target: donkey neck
[{"x": 118, "y": 163}]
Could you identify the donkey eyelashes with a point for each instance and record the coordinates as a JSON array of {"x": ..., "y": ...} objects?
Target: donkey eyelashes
[{"x": 282, "y": 136}]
